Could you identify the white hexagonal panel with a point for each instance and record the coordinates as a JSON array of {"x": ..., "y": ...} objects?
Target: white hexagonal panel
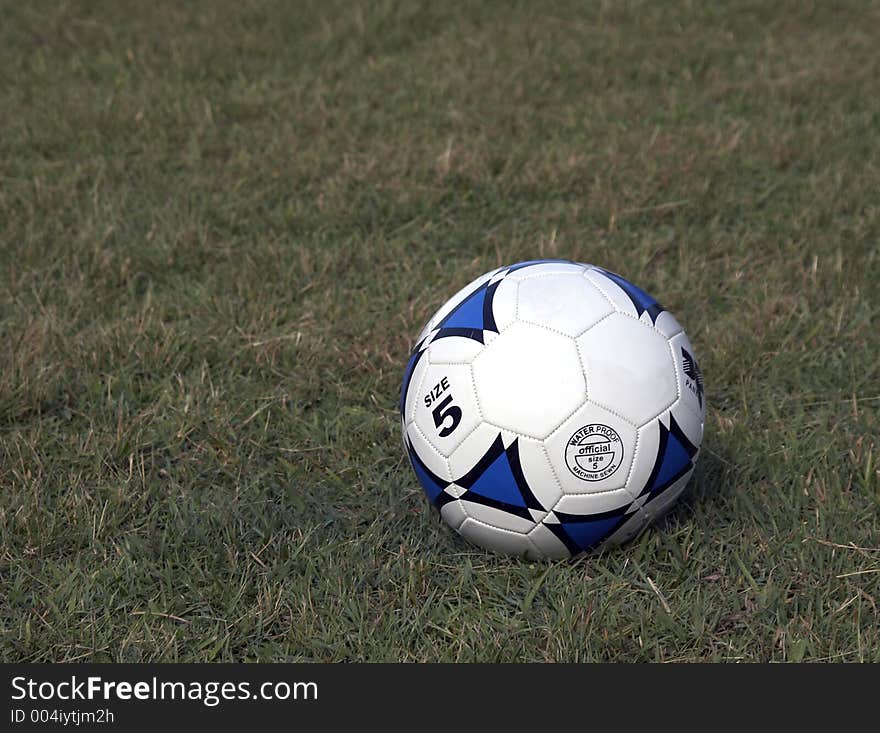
[
  {"x": 568, "y": 303},
  {"x": 592, "y": 451},
  {"x": 494, "y": 538},
  {"x": 446, "y": 409},
  {"x": 529, "y": 380},
  {"x": 629, "y": 368}
]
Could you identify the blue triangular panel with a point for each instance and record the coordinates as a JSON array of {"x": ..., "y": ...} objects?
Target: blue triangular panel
[
  {"x": 590, "y": 533},
  {"x": 469, "y": 314},
  {"x": 675, "y": 460},
  {"x": 641, "y": 300},
  {"x": 469, "y": 333},
  {"x": 430, "y": 483},
  {"x": 497, "y": 482}
]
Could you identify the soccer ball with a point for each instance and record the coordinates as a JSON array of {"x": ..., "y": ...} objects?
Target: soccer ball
[{"x": 551, "y": 408}]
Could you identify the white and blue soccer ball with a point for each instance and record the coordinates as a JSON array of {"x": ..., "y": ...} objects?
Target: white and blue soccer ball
[{"x": 551, "y": 408}]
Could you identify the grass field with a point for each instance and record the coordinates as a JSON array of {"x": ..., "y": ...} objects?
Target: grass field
[{"x": 221, "y": 224}]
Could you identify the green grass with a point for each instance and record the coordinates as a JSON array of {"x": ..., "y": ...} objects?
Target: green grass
[{"x": 221, "y": 223}]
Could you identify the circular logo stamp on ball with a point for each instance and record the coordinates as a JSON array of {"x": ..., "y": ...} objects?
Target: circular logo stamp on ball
[{"x": 594, "y": 452}]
